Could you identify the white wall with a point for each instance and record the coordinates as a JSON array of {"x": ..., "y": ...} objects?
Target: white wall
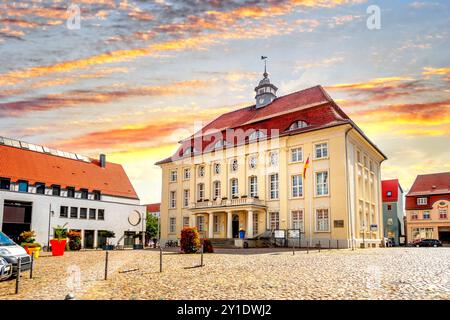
[{"x": 116, "y": 209}]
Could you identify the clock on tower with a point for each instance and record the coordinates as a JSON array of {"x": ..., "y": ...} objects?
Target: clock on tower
[{"x": 265, "y": 91}]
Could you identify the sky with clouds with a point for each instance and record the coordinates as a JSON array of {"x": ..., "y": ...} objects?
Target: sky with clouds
[{"x": 135, "y": 75}]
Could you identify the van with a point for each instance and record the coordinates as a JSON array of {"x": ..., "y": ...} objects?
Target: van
[{"x": 12, "y": 252}]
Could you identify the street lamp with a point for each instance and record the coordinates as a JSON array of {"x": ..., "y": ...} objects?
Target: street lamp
[{"x": 51, "y": 213}]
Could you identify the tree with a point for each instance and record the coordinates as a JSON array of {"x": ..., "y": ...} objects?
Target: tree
[{"x": 152, "y": 226}]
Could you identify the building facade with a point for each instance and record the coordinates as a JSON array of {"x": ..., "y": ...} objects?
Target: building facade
[
  {"x": 427, "y": 208},
  {"x": 393, "y": 213},
  {"x": 41, "y": 188},
  {"x": 244, "y": 171}
]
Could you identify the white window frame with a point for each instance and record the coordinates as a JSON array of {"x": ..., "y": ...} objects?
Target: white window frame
[
  {"x": 297, "y": 186},
  {"x": 172, "y": 199},
  {"x": 217, "y": 189},
  {"x": 188, "y": 222},
  {"x": 327, "y": 184},
  {"x": 298, "y": 151},
  {"x": 322, "y": 156},
  {"x": 317, "y": 224},
  {"x": 255, "y": 223},
  {"x": 172, "y": 225},
  {"x": 200, "y": 191},
  {"x": 234, "y": 187},
  {"x": 298, "y": 222},
  {"x": 187, "y": 173},
  {"x": 253, "y": 186},
  {"x": 426, "y": 212},
  {"x": 186, "y": 196},
  {"x": 216, "y": 223},
  {"x": 276, "y": 183},
  {"x": 422, "y": 201},
  {"x": 173, "y": 175},
  {"x": 274, "y": 220},
  {"x": 200, "y": 223}
]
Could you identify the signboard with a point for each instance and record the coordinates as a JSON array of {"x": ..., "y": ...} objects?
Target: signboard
[
  {"x": 338, "y": 223},
  {"x": 373, "y": 227},
  {"x": 294, "y": 233},
  {"x": 280, "y": 234}
]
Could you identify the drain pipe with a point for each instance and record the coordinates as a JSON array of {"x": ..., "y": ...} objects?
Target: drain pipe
[{"x": 350, "y": 221}]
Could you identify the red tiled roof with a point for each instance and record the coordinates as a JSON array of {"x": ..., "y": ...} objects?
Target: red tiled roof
[
  {"x": 153, "y": 207},
  {"x": 20, "y": 164},
  {"x": 429, "y": 184},
  {"x": 312, "y": 105},
  {"x": 392, "y": 186}
]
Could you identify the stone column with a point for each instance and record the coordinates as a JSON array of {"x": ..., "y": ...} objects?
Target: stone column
[
  {"x": 210, "y": 225},
  {"x": 249, "y": 232},
  {"x": 229, "y": 225}
]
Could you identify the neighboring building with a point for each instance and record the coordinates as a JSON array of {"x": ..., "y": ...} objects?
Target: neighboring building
[
  {"x": 427, "y": 208},
  {"x": 153, "y": 209},
  {"x": 393, "y": 222},
  {"x": 41, "y": 188},
  {"x": 244, "y": 170}
]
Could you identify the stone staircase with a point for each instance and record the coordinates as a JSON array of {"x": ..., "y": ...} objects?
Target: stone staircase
[{"x": 222, "y": 243}]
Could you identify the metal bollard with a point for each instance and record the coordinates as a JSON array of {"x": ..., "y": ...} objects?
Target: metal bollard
[
  {"x": 307, "y": 246},
  {"x": 337, "y": 244},
  {"x": 329, "y": 243},
  {"x": 319, "y": 245},
  {"x": 160, "y": 259},
  {"x": 293, "y": 247},
  {"x": 19, "y": 266},
  {"x": 32, "y": 265},
  {"x": 106, "y": 265}
]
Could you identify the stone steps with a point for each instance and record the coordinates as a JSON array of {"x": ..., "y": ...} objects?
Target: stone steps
[{"x": 222, "y": 243}]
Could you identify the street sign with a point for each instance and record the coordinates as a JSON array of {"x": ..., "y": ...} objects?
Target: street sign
[
  {"x": 280, "y": 234},
  {"x": 373, "y": 227},
  {"x": 294, "y": 233}
]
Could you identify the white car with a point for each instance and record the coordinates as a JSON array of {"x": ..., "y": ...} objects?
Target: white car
[
  {"x": 12, "y": 252},
  {"x": 5, "y": 269}
]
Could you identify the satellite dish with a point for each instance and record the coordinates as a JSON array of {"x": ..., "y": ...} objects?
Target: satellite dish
[{"x": 134, "y": 218}]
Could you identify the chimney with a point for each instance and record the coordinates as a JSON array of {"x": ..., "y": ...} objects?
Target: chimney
[{"x": 102, "y": 160}]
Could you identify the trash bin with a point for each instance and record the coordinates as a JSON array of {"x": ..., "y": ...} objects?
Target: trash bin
[{"x": 242, "y": 234}]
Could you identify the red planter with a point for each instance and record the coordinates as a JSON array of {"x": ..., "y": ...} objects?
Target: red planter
[{"x": 58, "y": 247}]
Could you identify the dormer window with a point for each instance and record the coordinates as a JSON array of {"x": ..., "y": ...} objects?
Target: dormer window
[
  {"x": 220, "y": 144},
  {"x": 422, "y": 201},
  {"x": 189, "y": 151},
  {"x": 297, "y": 125},
  {"x": 255, "y": 135},
  {"x": 389, "y": 194}
]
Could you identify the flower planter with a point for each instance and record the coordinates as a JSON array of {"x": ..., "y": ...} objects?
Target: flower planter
[
  {"x": 58, "y": 247},
  {"x": 34, "y": 251}
]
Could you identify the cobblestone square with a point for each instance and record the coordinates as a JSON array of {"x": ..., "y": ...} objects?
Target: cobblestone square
[{"x": 385, "y": 273}]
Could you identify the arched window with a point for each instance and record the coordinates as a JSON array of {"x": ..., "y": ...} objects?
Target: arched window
[
  {"x": 219, "y": 144},
  {"x": 255, "y": 135},
  {"x": 298, "y": 125},
  {"x": 189, "y": 150}
]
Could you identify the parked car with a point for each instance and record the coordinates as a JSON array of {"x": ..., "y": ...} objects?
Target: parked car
[
  {"x": 5, "y": 269},
  {"x": 428, "y": 243},
  {"x": 12, "y": 252}
]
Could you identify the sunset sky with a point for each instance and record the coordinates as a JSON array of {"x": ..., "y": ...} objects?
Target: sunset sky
[{"x": 131, "y": 81}]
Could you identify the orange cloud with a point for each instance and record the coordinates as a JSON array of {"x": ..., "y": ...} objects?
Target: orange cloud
[{"x": 435, "y": 71}]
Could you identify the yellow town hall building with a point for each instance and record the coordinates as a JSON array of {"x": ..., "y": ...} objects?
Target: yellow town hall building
[{"x": 244, "y": 171}]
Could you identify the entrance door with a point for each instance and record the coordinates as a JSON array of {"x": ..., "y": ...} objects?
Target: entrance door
[
  {"x": 235, "y": 226},
  {"x": 16, "y": 218},
  {"x": 89, "y": 239},
  {"x": 444, "y": 235}
]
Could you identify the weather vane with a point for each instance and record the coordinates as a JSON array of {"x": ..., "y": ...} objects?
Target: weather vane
[{"x": 265, "y": 65}]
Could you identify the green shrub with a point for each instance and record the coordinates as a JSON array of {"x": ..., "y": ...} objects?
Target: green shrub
[{"x": 190, "y": 240}]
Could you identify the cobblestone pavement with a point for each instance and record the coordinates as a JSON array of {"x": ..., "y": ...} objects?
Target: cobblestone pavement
[{"x": 385, "y": 273}]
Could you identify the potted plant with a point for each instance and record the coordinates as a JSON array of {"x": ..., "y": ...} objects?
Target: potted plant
[
  {"x": 27, "y": 239},
  {"x": 58, "y": 243},
  {"x": 74, "y": 240},
  {"x": 241, "y": 233},
  {"x": 108, "y": 235}
]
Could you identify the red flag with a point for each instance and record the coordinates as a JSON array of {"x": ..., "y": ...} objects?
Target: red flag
[{"x": 305, "y": 167}]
